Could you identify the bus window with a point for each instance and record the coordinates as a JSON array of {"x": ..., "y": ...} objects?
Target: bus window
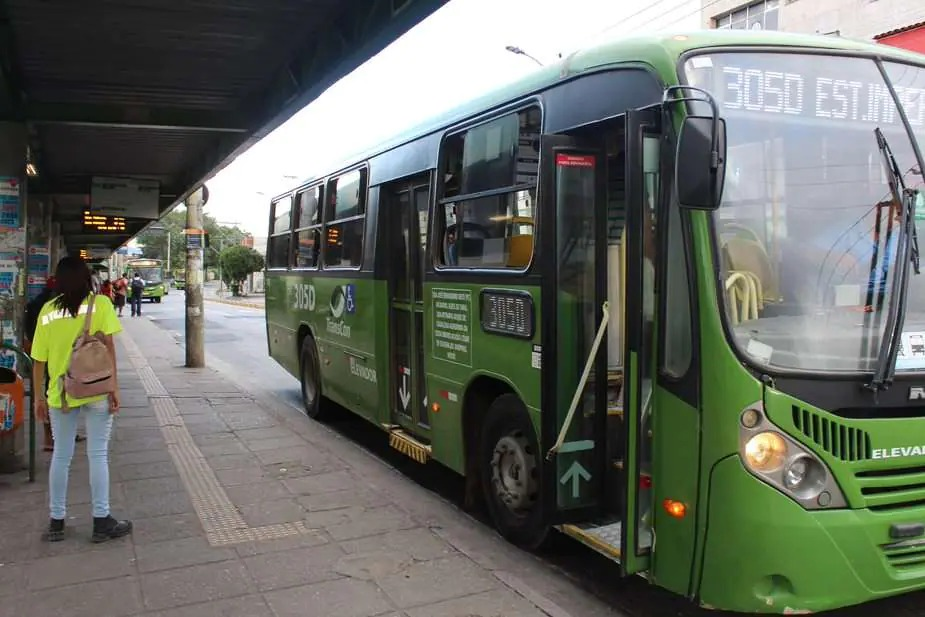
[
  {"x": 278, "y": 242},
  {"x": 496, "y": 230},
  {"x": 345, "y": 215},
  {"x": 307, "y": 247}
]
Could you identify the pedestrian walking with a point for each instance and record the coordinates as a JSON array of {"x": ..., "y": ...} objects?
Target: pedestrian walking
[
  {"x": 69, "y": 329},
  {"x": 137, "y": 288},
  {"x": 106, "y": 289},
  {"x": 119, "y": 292}
]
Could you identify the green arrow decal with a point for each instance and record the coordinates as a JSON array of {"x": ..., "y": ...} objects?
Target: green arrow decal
[{"x": 575, "y": 473}]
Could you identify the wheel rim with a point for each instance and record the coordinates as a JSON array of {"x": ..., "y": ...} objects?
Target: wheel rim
[
  {"x": 513, "y": 473},
  {"x": 309, "y": 387}
]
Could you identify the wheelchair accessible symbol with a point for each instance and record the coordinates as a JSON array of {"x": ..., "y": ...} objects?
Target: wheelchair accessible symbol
[{"x": 350, "y": 298}]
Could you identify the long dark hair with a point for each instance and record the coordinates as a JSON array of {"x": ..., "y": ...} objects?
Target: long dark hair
[{"x": 72, "y": 284}]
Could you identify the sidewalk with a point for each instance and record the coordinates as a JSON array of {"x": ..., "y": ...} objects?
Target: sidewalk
[
  {"x": 245, "y": 508},
  {"x": 211, "y": 294}
]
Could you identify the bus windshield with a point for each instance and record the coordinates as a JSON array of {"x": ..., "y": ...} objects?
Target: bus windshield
[
  {"x": 809, "y": 224},
  {"x": 151, "y": 276}
]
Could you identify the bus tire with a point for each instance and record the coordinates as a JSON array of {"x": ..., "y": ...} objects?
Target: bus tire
[
  {"x": 157, "y": 300},
  {"x": 509, "y": 466},
  {"x": 310, "y": 378}
]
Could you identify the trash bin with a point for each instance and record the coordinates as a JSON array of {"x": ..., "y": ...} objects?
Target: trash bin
[{"x": 12, "y": 400}]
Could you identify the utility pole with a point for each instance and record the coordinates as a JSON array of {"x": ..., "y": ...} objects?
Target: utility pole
[{"x": 195, "y": 320}]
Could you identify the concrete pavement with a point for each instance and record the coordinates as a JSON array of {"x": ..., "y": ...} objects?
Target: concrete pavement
[{"x": 244, "y": 507}]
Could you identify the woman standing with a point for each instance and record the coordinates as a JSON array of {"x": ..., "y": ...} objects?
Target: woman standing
[
  {"x": 120, "y": 290},
  {"x": 60, "y": 322}
]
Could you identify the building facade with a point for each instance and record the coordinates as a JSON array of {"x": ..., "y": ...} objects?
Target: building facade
[{"x": 857, "y": 19}]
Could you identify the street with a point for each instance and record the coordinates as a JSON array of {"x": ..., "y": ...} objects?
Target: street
[{"x": 236, "y": 346}]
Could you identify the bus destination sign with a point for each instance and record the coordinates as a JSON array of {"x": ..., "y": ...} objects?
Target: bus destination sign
[
  {"x": 812, "y": 87},
  {"x": 103, "y": 222}
]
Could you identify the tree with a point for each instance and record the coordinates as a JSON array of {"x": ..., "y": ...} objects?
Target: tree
[
  {"x": 237, "y": 263},
  {"x": 154, "y": 242}
]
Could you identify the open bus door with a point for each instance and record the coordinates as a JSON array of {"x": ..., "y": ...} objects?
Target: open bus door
[
  {"x": 578, "y": 470},
  {"x": 574, "y": 248},
  {"x": 642, "y": 141}
]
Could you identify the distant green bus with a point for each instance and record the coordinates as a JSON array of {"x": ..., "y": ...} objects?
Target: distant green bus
[
  {"x": 649, "y": 297},
  {"x": 152, "y": 273}
]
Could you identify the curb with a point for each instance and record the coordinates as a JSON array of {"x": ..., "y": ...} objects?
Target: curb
[{"x": 252, "y": 305}]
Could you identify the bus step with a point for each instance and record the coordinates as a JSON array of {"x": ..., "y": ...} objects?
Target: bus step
[
  {"x": 615, "y": 411},
  {"x": 604, "y": 537},
  {"x": 408, "y": 445}
]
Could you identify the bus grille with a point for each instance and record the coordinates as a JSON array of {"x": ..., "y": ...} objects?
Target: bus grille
[
  {"x": 889, "y": 489},
  {"x": 906, "y": 557},
  {"x": 843, "y": 442}
]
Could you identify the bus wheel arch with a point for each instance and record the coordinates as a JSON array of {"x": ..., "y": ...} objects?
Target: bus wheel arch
[
  {"x": 503, "y": 460},
  {"x": 310, "y": 374}
]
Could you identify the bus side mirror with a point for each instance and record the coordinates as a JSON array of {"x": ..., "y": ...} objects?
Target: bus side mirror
[{"x": 700, "y": 168}]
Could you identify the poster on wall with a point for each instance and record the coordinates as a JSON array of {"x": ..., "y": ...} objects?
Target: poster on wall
[
  {"x": 7, "y": 335},
  {"x": 13, "y": 244},
  {"x": 37, "y": 270},
  {"x": 9, "y": 201}
]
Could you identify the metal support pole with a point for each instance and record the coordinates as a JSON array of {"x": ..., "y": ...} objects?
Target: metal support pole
[{"x": 195, "y": 348}]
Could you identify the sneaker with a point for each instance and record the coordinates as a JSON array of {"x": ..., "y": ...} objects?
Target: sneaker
[
  {"x": 108, "y": 528},
  {"x": 55, "y": 531}
]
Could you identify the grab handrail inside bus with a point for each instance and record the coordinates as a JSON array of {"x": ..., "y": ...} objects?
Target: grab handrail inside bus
[{"x": 605, "y": 308}]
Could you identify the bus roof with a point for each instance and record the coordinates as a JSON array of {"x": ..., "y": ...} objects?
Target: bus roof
[{"x": 661, "y": 51}]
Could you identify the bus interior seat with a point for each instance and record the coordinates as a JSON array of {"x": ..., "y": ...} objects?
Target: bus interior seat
[
  {"x": 748, "y": 257},
  {"x": 520, "y": 250}
]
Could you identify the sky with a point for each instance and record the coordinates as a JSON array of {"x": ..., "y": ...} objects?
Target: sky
[{"x": 455, "y": 54}]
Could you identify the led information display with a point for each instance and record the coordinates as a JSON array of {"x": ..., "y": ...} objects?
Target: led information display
[
  {"x": 507, "y": 312},
  {"x": 812, "y": 87},
  {"x": 102, "y": 222}
]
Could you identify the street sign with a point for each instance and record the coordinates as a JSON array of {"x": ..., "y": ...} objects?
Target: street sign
[{"x": 194, "y": 238}]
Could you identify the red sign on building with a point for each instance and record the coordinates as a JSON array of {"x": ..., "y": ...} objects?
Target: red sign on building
[{"x": 910, "y": 37}]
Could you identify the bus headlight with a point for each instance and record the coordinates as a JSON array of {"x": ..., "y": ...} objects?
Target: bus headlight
[
  {"x": 805, "y": 477},
  {"x": 765, "y": 452},
  {"x": 781, "y": 461}
]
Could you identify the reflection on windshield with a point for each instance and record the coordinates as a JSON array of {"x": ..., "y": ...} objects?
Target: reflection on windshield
[
  {"x": 150, "y": 275},
  {"x": 808, "y": 227}
]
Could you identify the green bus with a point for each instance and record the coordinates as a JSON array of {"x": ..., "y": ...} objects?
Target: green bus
[
  {"x": 649, "y": 297},
  {"x": 152, "y": 273}
]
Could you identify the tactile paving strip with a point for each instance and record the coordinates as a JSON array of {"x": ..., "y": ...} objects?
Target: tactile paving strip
[{"x": 220, "y": 519}]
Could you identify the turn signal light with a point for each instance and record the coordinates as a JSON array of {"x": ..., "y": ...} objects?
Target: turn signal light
[{"x": 675, "y": 509}]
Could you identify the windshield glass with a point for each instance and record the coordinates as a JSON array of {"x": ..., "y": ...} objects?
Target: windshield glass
[
  {"x": 151, "y": 276},
  {"x": 808, "y": 226}
]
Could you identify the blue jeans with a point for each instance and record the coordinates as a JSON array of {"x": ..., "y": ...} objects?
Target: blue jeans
[
  {"x": 136, "y": 305},
  {"x": 98, "y": 422}
]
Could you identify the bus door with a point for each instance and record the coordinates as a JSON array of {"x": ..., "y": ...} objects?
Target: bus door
[
  {"x": 578, "y": 468},
  {"x": 405, "y": 223},
  {"x": 573, "y": 244},
  {"x": 642, "y": 160}
]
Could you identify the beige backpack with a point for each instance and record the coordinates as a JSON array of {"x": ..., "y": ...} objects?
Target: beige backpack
[{"x": 90, "y": 371}]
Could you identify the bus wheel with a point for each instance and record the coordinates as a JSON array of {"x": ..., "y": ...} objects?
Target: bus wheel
[
  {"x": 157, "y": 300},
  {"x": 311, "y": 379},
  {"x": 510, "y": 473}
]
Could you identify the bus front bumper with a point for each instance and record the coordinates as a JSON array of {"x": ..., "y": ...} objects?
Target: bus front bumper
[{"x": 765, "y": 553}]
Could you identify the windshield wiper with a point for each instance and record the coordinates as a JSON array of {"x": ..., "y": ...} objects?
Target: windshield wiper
[{"x": 907, "y": 250}]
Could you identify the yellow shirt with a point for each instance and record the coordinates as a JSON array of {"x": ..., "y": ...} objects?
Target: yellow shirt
[{"x": 55, "y": 334}]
